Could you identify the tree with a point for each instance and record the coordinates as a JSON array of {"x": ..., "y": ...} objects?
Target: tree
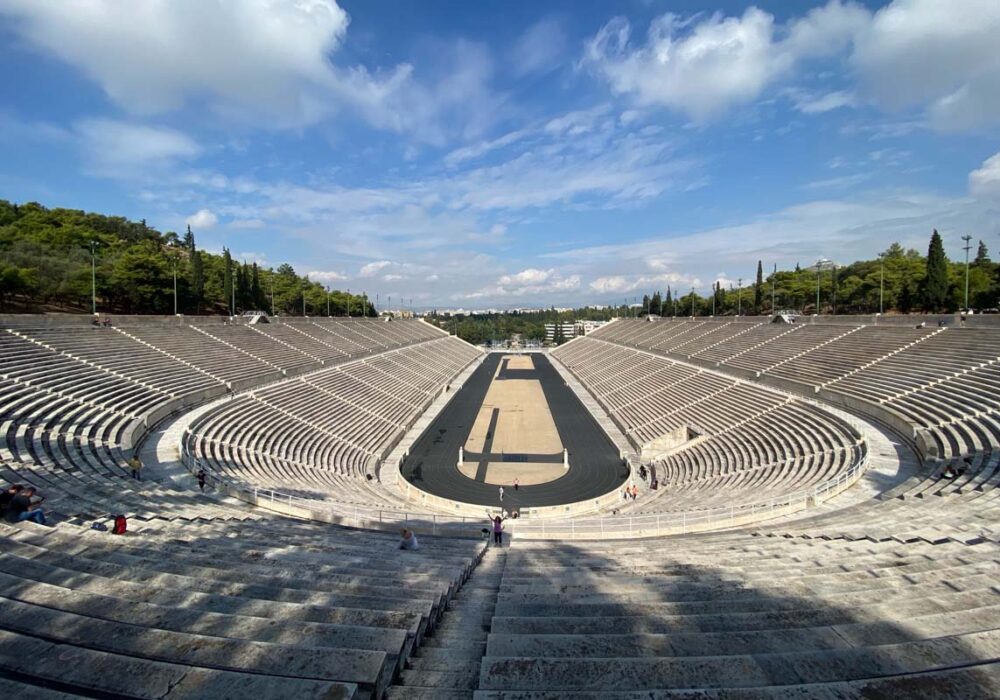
[
  {"x": 188, "y": 240},
  {"x": 936, "y": 285},
  {"x": 668, "y": 304},
  {"x": 758, "y": 289},
  {"x": 227, "y": 281},
  {"x": 656, "y": 305},
  {"x": 645, "y": 305},
  {"x": 982, "y": 256},
  {"x": 197, "y": 280}
]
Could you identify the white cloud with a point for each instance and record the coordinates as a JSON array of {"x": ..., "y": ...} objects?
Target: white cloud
[
  {"x": 150, "y": 57},
  {"x": 942, "y": 55},
  {"x": 620, "y": 284},
  {"x": 538, "y": 50},
  {"x": 119, "y": 149},
  {"x": 465, "y": 153},
  {"x": 262, "y": 62},
  {"x": 530, "y": 281},
  {"x": 809, "y": 103},
  {"x": 251, "y": 257},
  {"x": 371, "y": 269},
  {"x": 325, "y": 276},
  {"x": 203, "y": 218},
  {"x": 986, "y": 179},
  {"x": 703, "y": 66},
  {"x": 526, "y": 277}
]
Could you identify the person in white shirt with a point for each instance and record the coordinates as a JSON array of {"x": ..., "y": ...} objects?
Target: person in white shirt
[{"x": 407, "y": 539}]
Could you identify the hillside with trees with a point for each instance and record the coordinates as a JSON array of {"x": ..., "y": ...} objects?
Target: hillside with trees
[{"x": 51, "y": 259}]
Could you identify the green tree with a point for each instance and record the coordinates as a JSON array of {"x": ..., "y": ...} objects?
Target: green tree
[
  {"x": 936, "y": 286},
  {"x": 197, "y": 280},
  {"x": 227, "y": 281},
  {"x": 758, "y": 289}
]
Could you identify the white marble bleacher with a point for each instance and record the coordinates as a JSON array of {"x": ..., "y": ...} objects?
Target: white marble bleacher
[
  {"x": 755, "y": 443},
  {"x": 187, "y": 605},
  {"x": 322, "y": 434}
]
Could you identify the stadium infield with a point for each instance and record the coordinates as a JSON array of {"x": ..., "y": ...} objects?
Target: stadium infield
[{"x": 513, "y": 417}]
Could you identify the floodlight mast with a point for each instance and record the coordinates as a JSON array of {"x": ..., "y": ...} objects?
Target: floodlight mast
[
  {"x": 967, "y": 238},
  {"x": 93, "y": 277}
]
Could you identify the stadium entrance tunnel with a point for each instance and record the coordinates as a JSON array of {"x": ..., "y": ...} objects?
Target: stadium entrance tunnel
[{"x": 515, "y": 419}]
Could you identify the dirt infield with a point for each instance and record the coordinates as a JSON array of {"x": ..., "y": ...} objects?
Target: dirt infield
[
  {"x": 515, "y": 417},
  {"x": 543, "y": 414}
]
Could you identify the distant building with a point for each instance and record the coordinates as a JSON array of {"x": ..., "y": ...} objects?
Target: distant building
[{"x": 571, "y": 329}]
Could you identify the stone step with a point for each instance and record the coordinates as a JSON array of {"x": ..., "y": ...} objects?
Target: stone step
[
  {"x": 472, "y": 651},
  {"x": 458, "y": 680},
  {"x": 409, "y": 692}
]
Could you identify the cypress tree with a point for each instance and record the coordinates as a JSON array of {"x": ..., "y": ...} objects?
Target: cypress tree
[
  {"x": 982, "y": 256},
  {"x": 668, "y": 303},
  {"x": 656, "y": 305},
  {"x": 256, "y": 293},
  {"x": 227, "y": 280},
  {"x": 935, "y": 288},
  {"x": 758, "y": 289},
  {"x": 188, "y": 240},
  {"x": 645, "y": 304}
]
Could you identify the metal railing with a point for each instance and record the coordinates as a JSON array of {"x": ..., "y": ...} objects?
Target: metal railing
[{"x": 622, "y": 526}]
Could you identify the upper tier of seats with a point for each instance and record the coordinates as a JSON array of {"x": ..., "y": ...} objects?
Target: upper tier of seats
[{"x": 943, "y": 383}]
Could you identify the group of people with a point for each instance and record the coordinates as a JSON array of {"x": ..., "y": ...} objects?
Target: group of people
[
  {"x": 20, "y": 503},
  {"x": 630, "y": 492}
]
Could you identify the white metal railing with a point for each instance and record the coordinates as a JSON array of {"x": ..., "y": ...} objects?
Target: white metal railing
[{"x": 621, "y": 526}]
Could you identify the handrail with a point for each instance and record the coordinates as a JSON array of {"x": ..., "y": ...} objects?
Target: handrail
[{"x": 613, "y": 526}]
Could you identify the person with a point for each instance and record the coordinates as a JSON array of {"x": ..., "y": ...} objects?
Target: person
[
  {"x": 498, "y": 531},
  {"x": 642, "y": 472},
  {"x": 501, "y": 494},
  {"x": 7, "y": 496},
  {"x": 950, "y": 472},
  {"x": 22, "y": 507},
  {"x": 201, "y": 479},
  {"x": 408, "y": 539},
  {"x": 517, "y": 484},
  {"x": 625, "y": 494},
  {"x": 135, "y": 465},
  {"x": 635, "y": 492}
]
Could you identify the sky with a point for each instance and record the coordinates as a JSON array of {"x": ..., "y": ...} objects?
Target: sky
[{"x": 512, "y": 154}]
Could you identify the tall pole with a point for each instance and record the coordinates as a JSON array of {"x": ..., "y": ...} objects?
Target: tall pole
[
  {"x": 818, "y": 268},
  {"x": 713, "y": 303},
  {"x": 232, "y": 285},
  {"x": 175, "y": 286},
  {"x": 833, "y": 288},
  {"x": 303, "y": 301},
  {"x": 968, "y": 245},
  {"x": 328, "y": 301},
  {"x": 348, "y": 303},
  {"x": 692, "y": 302},
  {"x": 270, "y": 278},
  {"x": 93, "y": 277},
  {"x": 739, "y": 297}
]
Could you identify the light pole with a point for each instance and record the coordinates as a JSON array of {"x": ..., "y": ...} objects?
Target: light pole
[
  {"x": 303, "y": 301},
  {"x": 692, "y": 302},
  {"x": 270, "y": 279},
  {"x": 328, "y": 301},
  {"x": 833, "y": 287},
  {"x": 93, "y": 277},
  {"x": 175, "y": 285},
  {"x": 348, "y": 302},
  {"x": 714, "y": 294},
  {"x": 967, "y": 238},
  {"x": 819, "y": 271},
  {"x": 739, "y": 297},
  {"x": 232, "y": 287}
]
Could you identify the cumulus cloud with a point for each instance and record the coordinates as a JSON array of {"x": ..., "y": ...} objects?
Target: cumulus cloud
[
  {"x": 258, "y": 61},
  {"x": 373, "y": 268},
  {"x": 530, "y": 281},
  {"x": 986, "y": 179},
  {"x": 203, "y": 218},
  {"x": 325, "y": 276},
  {"x": 703, "y": 66},
  {"x": 612, "y": 284}
]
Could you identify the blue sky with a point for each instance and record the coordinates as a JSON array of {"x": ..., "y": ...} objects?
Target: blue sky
[{"x": 512, "y": 154}]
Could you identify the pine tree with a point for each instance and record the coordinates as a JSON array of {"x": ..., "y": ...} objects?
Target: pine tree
[
  {"x": 935, "y": 287},
  {"x": 645, "y": 304},
  {"x": 982, "y": 256},
  {"x": 656, "y": 305},
  {"x": 758, "y": 289},
  {"x": 188, "y": 240},
  {"x": 227, "y": 279}
]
